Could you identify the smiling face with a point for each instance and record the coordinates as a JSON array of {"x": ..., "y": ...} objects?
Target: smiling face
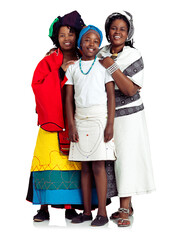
[
  {"x": 90, "y": 45},
  {"x": 118, "y": 33},
  {"x": 66, "y": 38}
]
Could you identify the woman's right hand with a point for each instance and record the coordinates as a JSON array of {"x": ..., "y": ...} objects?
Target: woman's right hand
[
  {"x": 106, "y": 62},
  {"x": 65, "y": 66},
  {"x": 73, "y": 134}
]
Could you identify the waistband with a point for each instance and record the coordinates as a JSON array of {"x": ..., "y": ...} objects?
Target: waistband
[{"x": 97, "y": 111}]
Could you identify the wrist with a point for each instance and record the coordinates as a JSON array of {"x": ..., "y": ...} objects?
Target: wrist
[
  {"x": 72, "y": 126},
  {"x": 110, "y": 124},
  {"x": 112, "y": 68}
]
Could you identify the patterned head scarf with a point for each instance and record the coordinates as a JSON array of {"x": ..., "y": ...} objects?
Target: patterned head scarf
[
  {"x": 72, "y": 19},
  {"x": 88, "y": 29},
  {"x": 117, "y": 15}
]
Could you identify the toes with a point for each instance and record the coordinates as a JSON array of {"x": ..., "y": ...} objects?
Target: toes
[{"x": 123, "y": 222}]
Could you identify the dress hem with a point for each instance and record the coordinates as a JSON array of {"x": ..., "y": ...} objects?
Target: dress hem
[
  {"x": 135, "y": 193},
  {"x": 90, "y": 160}
]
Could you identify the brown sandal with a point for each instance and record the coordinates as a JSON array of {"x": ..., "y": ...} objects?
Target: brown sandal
[
  {"x": 116, "y": 215},
  {"x": 123, "y": 222}
]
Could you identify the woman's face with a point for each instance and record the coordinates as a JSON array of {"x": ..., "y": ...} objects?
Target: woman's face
[
  {"x": 66, "y": 38},
  {"x": 118, "y": 32}
]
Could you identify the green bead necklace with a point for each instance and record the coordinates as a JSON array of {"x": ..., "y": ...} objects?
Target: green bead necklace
[{"x": 89, "y": 68}]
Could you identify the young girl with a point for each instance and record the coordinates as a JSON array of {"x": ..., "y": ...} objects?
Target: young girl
[
  {"x": 92, "y": 131},
  {"x": 133, "y": 167}
]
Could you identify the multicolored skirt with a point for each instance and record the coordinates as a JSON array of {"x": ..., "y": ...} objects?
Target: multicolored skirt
[{"x": 54, "y": 180}]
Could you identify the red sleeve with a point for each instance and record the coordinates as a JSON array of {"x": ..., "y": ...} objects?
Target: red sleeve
[{"x": 46, "y": 86}]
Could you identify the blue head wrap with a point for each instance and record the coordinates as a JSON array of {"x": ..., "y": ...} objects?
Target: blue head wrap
[{"x": 85, "y": 30}]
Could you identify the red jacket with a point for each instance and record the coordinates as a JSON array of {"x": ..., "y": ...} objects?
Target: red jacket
[{"x": 47, "y": 87}]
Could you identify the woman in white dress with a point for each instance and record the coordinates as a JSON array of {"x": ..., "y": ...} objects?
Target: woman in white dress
[{"x": 133, "y": 168}]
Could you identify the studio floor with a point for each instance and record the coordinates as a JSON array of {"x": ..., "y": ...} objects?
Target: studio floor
[{"x": 149, "y": 221}]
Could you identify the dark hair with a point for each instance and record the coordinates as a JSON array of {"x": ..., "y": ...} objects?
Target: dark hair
[
  {"x": 56, "y": 34},
  {"x": 71, "y": 20},
  {"x": 108, "y": 25}
]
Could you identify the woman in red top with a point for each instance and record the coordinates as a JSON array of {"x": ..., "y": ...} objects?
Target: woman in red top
[{"x": 54, "y": 180}]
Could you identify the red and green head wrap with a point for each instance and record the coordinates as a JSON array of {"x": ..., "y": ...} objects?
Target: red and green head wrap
[{"x": 72, "y": 20}]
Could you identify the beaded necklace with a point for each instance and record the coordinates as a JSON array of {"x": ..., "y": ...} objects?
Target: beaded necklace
[{"x": 89, "y": 68}]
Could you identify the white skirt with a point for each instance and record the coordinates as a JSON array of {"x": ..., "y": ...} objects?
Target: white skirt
[
  {"x": 133, "y": 168},
  {"x": 90, "y": 124}
]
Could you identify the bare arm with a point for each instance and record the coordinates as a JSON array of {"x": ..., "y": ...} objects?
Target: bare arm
[
  {"x": 73, "y": 135},
  {"x": 108, "y": 132},
  {"x": 123, "y": 82}
]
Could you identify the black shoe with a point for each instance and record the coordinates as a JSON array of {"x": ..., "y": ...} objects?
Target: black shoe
[
  {"x": 70, "y": 214},
  {"x": 82, "y": 218},
  {"x": 99, "y": 221},
  {"x": 41, "y": 216}
]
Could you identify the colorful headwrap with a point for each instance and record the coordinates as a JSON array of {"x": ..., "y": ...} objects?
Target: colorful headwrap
[
  {"x": 85, "y": 30},
  {"x": 72, "y": 19},
  {"x": 128, "y": 17}
]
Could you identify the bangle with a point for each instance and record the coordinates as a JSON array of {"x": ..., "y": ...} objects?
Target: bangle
[{"x": 112, "y": 68}]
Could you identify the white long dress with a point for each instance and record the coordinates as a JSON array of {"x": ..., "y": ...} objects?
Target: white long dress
[{"x": 133, "y": 167}]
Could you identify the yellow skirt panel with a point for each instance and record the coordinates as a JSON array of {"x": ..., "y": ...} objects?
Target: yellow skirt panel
[{"x": 47, "y": 155}]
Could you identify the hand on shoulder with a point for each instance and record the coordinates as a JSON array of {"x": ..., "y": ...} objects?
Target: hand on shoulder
[
  {"x": 106, "y": 62},
  {"x": 65, "y": 66}
]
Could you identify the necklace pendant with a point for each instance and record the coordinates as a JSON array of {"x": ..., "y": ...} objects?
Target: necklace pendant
[{"x": 114, "y": 56}]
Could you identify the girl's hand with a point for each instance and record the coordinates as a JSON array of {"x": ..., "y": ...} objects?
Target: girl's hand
[
  {"x": 106, "y": 62},
  {"x": 108, "y": 132},
  {"x": 73, "y": 134},
  {"x": 65, "y": 66}
]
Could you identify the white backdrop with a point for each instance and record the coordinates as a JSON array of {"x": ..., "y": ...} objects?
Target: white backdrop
[{"x": 24, "y": 41}]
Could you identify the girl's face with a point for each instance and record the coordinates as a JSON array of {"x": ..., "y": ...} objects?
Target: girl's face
[
  {"x": 66, "y": 38},
  {"x": 118, "y": 33},
  {"x": 90, "y": 45}
]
